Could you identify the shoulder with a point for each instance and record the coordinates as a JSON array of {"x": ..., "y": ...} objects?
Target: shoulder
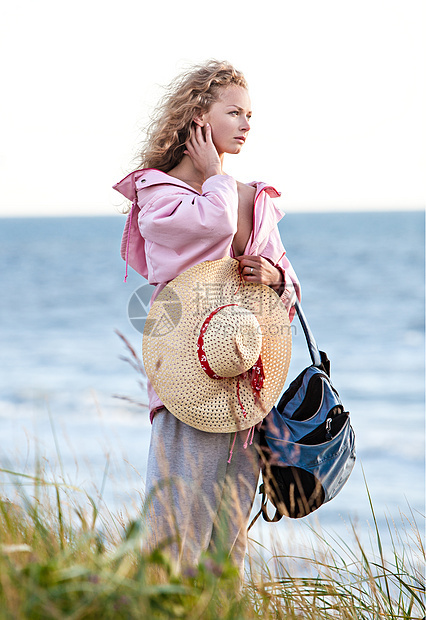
[
  {"x": 261, "y": 186},
  {"x": 246, "y": 191}
]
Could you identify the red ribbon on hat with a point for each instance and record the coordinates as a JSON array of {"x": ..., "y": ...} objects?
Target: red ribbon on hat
[{"x": 256, "y": 372}]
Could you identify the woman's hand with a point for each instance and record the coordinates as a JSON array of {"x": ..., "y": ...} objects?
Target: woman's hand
[
  {"x": 203, "y": 152},
  {"x": 258, "y": 269}
]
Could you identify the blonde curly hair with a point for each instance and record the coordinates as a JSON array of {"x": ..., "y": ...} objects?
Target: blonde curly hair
[{"x": 189, "y": 94}]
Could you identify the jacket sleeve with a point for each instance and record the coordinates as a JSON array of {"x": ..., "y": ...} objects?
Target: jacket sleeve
[
  {"x": 290, "y": 288},
  {"x": 181, "y": 220},
  {"x": 291, "y": 285}
]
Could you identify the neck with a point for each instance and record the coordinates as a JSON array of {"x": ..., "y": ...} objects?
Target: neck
[{"x": 187, "y": 172}]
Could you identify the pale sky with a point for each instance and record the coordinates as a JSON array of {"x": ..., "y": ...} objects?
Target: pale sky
[{"x": 337, "y": 87}]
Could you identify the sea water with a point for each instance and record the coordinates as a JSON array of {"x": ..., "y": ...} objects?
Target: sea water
[{"x": 72, "y": 404}]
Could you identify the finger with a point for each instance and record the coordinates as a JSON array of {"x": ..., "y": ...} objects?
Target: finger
[
  {"x": 247, "y": 270},
  {"x": 244, "y": 258},
  {"x": 208, "y": 133},
  {"x": 243, "y": 265},
  {"x": 255, "y": 260},
  {"x": 189, "y": 150},
  {"x": 190, "y": 142},
  {"x": 209, "y": 139},
  {"x": 198, "y": 135}
]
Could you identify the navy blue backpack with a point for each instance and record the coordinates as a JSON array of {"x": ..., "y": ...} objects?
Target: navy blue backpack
[{"x": 307, "y": 444}]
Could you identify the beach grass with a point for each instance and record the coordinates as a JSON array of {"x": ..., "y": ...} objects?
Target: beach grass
[{"x": 62, "y": 557}]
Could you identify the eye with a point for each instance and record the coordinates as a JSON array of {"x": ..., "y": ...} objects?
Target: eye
[{"x": 235, "y": 112}]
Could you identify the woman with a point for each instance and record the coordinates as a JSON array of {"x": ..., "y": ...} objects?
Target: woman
[{"x": 187, "y": 210}]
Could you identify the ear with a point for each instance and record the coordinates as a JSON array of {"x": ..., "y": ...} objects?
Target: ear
[{"x": 199, "y": 120}]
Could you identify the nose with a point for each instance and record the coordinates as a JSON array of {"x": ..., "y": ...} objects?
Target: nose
[{"x": 245, "y": 125}]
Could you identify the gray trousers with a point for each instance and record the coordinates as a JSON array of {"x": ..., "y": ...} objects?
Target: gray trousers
[{"x": 198, "y": 501}]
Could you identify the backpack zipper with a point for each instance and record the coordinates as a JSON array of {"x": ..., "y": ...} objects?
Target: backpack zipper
[{"x": 328, "y": 434}]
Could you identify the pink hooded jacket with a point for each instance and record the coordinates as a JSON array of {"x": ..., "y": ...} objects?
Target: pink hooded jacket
[{"x": 171, "y": 227}]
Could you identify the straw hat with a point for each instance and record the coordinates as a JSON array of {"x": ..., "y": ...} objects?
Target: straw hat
[{"x": 216, "y": 348}]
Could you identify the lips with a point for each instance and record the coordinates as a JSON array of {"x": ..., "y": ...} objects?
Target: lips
[{"x": 240, "y": 139}]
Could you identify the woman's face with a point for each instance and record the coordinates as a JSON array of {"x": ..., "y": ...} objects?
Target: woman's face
[{"x": 229, "y": 119}]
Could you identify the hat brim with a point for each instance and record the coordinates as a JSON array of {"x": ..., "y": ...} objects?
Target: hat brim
[{"x": 170, "y": 348}]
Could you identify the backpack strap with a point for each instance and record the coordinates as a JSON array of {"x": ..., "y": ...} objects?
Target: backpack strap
[
  {"x": 310, "y": 340},
  {"x": 319, "y": 360},
  {"x": 277, "y": 516},
  {"x": 263, "y": 510}
]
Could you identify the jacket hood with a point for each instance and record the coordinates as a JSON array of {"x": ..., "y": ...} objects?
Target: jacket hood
[
  {"x": 131, "y": 183},
  {"x": 127, "y": 186}
]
